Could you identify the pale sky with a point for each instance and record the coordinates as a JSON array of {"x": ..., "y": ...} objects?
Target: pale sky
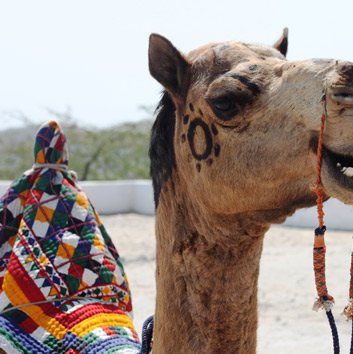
[{"x": 91, "y": 55}]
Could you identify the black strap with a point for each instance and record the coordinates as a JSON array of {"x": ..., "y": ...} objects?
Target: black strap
[{"x": 147, "y": 334}]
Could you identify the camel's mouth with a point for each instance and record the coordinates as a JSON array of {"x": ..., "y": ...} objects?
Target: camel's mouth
[
  {"x": 342, "y": 94},
  {"x": 340, "y": 167},
  {"x": 344, "y": 98}
]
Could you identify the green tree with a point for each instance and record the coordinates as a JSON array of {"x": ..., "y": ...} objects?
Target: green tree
[{"x": 116, "y": 152}]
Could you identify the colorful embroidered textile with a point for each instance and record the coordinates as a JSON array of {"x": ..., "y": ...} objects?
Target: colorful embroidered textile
[{"x": 56, "y": 255}]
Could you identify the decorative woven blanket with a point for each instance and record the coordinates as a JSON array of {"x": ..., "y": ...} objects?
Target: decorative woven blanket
[{"x": 63, "y": 288}]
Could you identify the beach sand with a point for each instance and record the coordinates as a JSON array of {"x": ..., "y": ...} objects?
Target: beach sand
[{"x": 287, "y": 292}]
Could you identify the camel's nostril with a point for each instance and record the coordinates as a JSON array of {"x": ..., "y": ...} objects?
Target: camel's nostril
[{"x": 346, "y": 72}]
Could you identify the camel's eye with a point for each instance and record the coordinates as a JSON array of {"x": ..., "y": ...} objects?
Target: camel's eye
[
  {"x": 224, "y": 104},
  {"x": 228, "y": 96},
  {"x": 224, "y": 107}
]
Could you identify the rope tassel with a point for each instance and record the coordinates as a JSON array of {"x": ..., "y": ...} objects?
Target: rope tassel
[{"x": 348, "y": 310}]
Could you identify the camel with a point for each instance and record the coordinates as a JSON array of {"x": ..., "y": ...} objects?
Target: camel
[{"x": 233, "y": 150}]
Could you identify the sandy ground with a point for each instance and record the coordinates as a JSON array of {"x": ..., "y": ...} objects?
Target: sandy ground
[{"x": 287, "y": 292}]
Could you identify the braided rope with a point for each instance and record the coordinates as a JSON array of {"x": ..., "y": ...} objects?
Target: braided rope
[
  {"x": 54, "y": 166},
  {"x": 324, "y": 300},
  {"x": 336, "y": 344},
  {"x": 319, "y": 267},
  {"x": 147, "y": 336},
  {"x": 317, "y": 187}
]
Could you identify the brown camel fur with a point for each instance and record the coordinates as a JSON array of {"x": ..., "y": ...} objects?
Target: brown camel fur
[{"x": 233, "y": 150}]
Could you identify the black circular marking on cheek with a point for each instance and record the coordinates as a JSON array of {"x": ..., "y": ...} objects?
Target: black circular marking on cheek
[
  {"x": 214, "y": 129},
  {"x": 217, "y": 150},
  {"x": 191, "y": 107},
  {"x": 208, "y": 139},
  {"x": 198, "y": 167},
  {"x": 186, "y": 119},
  {"x": 183, "y": 138}
]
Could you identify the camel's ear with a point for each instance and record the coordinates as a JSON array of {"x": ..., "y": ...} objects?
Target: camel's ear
[
  {"x": 282, "y": 44},
  {"x": 168, "y": 66}
]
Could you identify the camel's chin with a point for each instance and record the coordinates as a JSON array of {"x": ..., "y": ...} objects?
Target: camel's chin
[{"x": 337, "y": 175}]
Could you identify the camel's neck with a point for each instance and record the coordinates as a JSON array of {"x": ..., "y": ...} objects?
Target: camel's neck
[{"x": 207, "y": 272}]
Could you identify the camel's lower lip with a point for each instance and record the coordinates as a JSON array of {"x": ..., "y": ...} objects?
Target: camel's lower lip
[{"x": 340, "y": 167}]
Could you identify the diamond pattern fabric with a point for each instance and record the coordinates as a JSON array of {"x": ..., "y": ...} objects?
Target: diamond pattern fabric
[{"x": 63, "y": 288}]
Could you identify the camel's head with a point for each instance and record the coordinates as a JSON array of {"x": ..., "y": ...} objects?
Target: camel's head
[{"x": 239, "y": 125}]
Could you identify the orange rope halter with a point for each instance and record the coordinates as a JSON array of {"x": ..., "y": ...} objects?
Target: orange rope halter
[
  {"x": 317, "y": 187},
  {"x": 324, "y": 300}
]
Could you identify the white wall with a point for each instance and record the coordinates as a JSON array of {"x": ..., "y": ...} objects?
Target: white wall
[
  {"x": 338, "y": 216},
  {"x": 114, "y": 197},
  {"x": 136, "y": 196}
]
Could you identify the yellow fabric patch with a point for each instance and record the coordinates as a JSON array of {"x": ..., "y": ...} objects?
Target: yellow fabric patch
[
  {"x": 43, "y": 260},
  {"x": 16, "y": 296},
  {"x": 12, "y": 240},
  {"x": 97, "y": 218},
  {"x": 53, "y": 292},
  {"x": 30, "y": 258},
  {"x": 44, "y": 213},
  {"x": 81, "y": 201},
  {"x": 98, "y": 243},
  {"x": 65, "y": 251},
  {"x": 99, "y": 321},
  {"x": 40, "y": 157}
]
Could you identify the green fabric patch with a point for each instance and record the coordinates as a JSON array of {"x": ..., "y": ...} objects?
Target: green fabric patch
[
  {"x": 71, "y": 197},
  {"x": 91, "y": 338},
  {"x": 87, "y": 233},
  {"x": 82, "y": 262},
  {"x": 50, "y": 247},
  {"x": 72, "y": 282},
  {"x": 22, "y": 184},
  {"x": 51, "y": 342},
  {"x": 77, "y": 254},
  {"x": 116, "y": 349},
  {"x": 36, "y": 251},
  {"x": 59, "y": 219},
  {"x": 14, "y": 342},
  {"x": 55, "y": 156},
  {"x": 36, "y": 149},
  {"x": 34, "y": 267},
  {"x": 65, "y": 189},
  {"x": 105, "y": 274},
  {"x": 30, "y": 216},
  {"x": 43, "y": 183}
]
